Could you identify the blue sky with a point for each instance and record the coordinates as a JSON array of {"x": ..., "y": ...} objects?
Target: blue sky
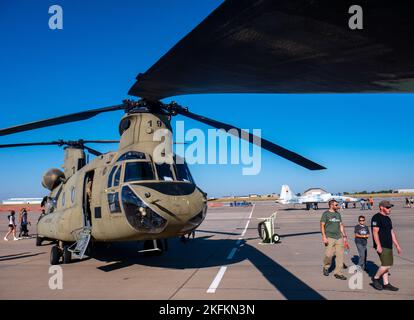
[{"x": 365, "y": 141}]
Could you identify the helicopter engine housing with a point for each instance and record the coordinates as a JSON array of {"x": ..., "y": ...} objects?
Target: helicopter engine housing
[{"x": 52, "y": 178}]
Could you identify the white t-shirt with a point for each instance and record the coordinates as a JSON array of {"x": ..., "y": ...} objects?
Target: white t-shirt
[{"x": 11, "y": 219}]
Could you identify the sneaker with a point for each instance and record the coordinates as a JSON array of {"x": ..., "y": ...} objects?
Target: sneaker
[
  {"x": 340, "y": 277},
  {"x": 325, "y": 272},
  {"x": 5, "y": 239},
  {"x": 390, "y": 287},
  {"x": 15, "y": 239},
  {"x": 376, "y": 283}
]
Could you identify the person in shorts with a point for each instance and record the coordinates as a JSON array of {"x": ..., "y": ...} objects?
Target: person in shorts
[
  {"x": 384, "y": 237},
  {"x": 12, "y": 226}
]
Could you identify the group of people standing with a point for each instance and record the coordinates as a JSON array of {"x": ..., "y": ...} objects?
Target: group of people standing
[
  {"x": 367, "y": 204},
  {"x": 409, "y": 203},
  {"x": 23, "y": 221},
  {"x": 336, "y": 241}
]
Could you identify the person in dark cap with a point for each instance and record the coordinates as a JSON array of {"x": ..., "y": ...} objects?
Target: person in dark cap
[{"x": 384, "y": 237}]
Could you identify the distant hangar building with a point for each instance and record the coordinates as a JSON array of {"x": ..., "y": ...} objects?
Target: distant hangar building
[
  {"x": 404, "y": 191},
  {"x": 19, "y": 201}
]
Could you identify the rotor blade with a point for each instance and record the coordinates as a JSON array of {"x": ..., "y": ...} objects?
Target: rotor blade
[
  {"x": 290, "y": 46},
  {"x": 265, "y": 144},
  {"x": 30, "y": 144},
  {"x": 93, "y": 151},
  {"x": 79, "y": 116},
  {"x": 100, "y": 141}
]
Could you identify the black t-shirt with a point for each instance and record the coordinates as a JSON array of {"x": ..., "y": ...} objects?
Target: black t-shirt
[{"x": 385, "y": 226}]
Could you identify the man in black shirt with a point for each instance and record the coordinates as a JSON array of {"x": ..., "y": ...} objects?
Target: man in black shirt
[{"x": 384, "y": 237}]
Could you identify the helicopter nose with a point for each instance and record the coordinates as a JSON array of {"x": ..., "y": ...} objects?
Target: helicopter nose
[
  {"x": 177, "y": 202},
  {"x": 139, "y": 215}
]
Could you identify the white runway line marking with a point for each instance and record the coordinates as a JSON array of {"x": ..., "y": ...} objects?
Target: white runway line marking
[
  {"x": 248, "y": 221},
  {"x": 214, "y": 285},
  {"x": 216, "y": 282}
]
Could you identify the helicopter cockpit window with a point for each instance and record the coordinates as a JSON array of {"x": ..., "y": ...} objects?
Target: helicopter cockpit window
[
  {"x": 111, "y": 175},
  {"x": 135, "y": 171},
  {"x": 132, "y": 155},
  {"x": 164, "y": 172},
  {"x": 183, "y": 173}
]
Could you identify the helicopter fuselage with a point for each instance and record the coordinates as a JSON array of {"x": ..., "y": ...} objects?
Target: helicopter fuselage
[{"x": 126, "y": 195}]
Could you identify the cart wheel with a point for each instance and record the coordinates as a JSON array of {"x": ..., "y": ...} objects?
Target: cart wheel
[
  {"x": 276, "y": 238},
  {"x": 260, "y": 230}
]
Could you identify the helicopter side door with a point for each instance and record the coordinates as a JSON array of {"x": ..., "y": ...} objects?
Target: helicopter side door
[{"x": 88, "y": 185}]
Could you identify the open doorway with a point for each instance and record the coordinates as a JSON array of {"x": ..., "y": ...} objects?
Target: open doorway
[{"x": 87, "y": 198}]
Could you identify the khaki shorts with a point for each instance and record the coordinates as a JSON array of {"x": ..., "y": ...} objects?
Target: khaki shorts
[{"x": 386, "y": 257}]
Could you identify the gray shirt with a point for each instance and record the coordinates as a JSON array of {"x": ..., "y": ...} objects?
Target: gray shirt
[{"x": 362, "y": 231}]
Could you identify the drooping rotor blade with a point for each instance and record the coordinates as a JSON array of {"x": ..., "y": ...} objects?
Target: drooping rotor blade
[
  {"x": 78, "y": 143},
  {"x": 13, "y": 145},
  {"x": 79, "y": 116},
  {"x": 265, "y": 144},
  {"x": 100, "y": 141},
  {"x": 290, "y": 46}
]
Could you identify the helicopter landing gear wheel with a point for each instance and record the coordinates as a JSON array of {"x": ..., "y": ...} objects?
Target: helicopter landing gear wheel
[
  {"x": 55, "y": 255},
  {"x": 67, "y": 255},
  {"x": 276, "y": 238},
  {"x": 39, "y": 241}
]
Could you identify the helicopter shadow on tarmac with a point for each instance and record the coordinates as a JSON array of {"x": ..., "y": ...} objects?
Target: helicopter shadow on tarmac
[
  {"x": 203, "y": 252},
  {"x": 19, "y": 256}
]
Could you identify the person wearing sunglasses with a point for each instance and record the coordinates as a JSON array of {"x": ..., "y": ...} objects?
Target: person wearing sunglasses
[
  {"x": 361, "y": 240},
  {"x": 334, "y": 238},
  {"x": 384, "y": 237}
]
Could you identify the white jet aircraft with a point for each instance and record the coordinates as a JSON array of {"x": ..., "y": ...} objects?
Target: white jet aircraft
[{"x": 288, "y": 197}]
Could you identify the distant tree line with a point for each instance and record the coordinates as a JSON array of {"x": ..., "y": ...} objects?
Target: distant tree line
[{"x": 372, "y": 192}]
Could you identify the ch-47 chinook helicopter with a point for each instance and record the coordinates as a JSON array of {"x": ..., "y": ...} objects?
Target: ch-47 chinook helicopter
[{"x": 244, "y": 46}]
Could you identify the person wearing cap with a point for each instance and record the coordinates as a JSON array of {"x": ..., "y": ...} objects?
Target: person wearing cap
[
  {"x": 334, "y": 239},
  {"x": 384, "y": 237}
]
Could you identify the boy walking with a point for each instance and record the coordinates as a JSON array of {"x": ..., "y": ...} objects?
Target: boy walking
[{"x": 361, "y": 239}]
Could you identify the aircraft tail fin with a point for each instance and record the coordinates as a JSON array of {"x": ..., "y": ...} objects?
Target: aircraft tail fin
[{"x": 286, "y": 194}]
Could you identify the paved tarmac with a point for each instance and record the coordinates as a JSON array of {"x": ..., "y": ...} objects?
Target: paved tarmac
[{"x": 224, "y": 261}]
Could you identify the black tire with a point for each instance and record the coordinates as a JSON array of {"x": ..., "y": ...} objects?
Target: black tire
[
  {"x": 54, "y": 255},
  {"x": 67, "y": 255},
  {"x": 276, "y": 238},
  {"x": 39, "y": 241},
  {"x": 263, "y": 234}
]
